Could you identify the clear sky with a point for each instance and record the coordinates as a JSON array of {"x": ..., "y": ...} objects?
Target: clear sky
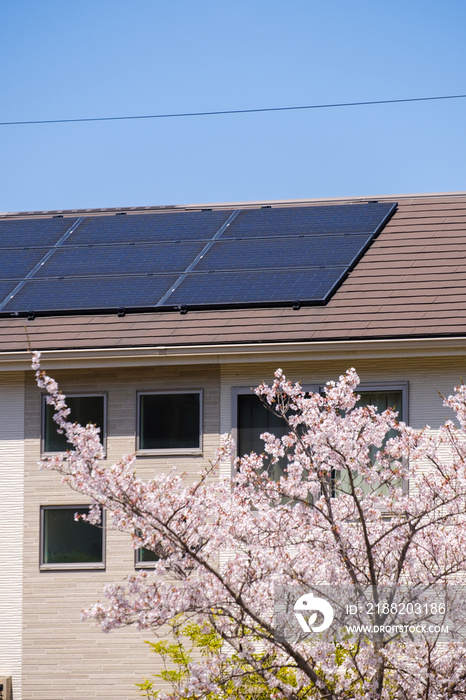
[{"x": 93, "y": 58}]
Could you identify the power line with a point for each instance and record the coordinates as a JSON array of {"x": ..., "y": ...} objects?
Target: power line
[{"x": 230, "y": 111}]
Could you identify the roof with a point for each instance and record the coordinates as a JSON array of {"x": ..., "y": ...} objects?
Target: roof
[{"x": 409, "y": 283}]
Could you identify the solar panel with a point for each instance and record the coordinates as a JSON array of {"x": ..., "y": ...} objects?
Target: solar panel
[
  {"x": 120, "y": 259},
  {"x": 148, "y": 228},
  {"x": 90, "y": 293},
  {"x": 217, "y": 288},
  {"x": 290, "y": 221},
  {"x": 25, "y": 233},
  {"x": 257, "y": 253},
  {"x": 16, "y": 264},
  {"x": 200, "y": 259},
  {"x": 6, "y": 288}
]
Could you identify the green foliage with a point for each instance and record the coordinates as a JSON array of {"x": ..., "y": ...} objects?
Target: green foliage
[{"x": 237, "y": 680}]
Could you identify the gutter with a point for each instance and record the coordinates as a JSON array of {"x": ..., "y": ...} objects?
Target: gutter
[{"x": 240, "y": 353}]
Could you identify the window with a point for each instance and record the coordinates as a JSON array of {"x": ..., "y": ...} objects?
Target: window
[
  {"x": 84, "y": 409},
  {"x": 253, "y": 420},
  {"x": 250, "y": 418},
  {"x": 145, "y": 558},
  {"x": 395, "y": 398},
  {"x": 170, "y": 422},
  {"x": 382, "y": 396},
  {"x": 67, "y": 543}
]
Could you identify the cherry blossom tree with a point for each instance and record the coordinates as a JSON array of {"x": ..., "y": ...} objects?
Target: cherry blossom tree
[
  {"x": 353, "y": 511},
  {"x": 235, "y": 680}
]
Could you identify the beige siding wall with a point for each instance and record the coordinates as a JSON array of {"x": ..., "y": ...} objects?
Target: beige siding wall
[
  {"x": 11, "y": 524},
  {"x": 64, "y": 658}
]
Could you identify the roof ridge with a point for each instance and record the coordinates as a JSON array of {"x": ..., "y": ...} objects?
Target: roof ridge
[{"x": 230, "y": 205}]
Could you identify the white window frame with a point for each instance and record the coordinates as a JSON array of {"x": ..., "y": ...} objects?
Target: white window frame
[
  {"x": 143, "y": 564},
  {"x": 103, "y": 429},
  {"x": 77, "y": 566},
  {"x": 172, "y": 450}
]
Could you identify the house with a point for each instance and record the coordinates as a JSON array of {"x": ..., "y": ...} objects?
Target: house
[{"x": 133, "y": 332}]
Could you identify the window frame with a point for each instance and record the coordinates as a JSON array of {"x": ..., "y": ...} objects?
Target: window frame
[
  {"x": 402, "y": 386},
  {"x": 237, "y": 391},
  {"x": 172, "y": 450},
  {"x": 70, "y": 566},
  {"x": 143, "y": 564},
  {"x": 103, "y": 429}
]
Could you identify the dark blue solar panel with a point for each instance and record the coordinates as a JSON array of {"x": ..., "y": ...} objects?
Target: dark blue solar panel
[
  {"x": 290, "y": 221},
  {"x": 260, "y": 253},
  {"x": 22, "y": 233},
  {"x": 149, "y": 228},
  {"x": 120, "y": 259},
  {"x": 265, "y": 256},
  {"x": 211, "y": 288},
  {"x": 16, "y": 264},
  {"x": 92, "y": 293},
  {"x": 5, "y": 289}
]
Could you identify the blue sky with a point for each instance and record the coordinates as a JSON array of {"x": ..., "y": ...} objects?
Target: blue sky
[{"x": 62, "y": 60}]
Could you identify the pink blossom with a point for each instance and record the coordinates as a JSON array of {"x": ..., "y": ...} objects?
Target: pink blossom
[{"x": 339, "y": 515}]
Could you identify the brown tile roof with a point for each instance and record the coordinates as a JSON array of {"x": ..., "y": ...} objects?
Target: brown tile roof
[{"x": 411, "y": 282}]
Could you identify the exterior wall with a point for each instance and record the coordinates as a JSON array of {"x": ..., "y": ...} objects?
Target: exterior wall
[
  {"x": 64, "y": 658},
  {"x": 426, "y": 377},
  {"x": 11, "y": 527}
]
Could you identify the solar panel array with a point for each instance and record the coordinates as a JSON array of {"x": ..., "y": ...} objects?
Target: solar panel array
[{"x": 193, "y": 259}]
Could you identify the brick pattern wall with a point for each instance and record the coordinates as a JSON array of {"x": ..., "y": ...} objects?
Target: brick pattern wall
[{"x": 64, "y": 658}]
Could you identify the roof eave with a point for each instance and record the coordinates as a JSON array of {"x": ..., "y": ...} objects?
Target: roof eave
[{"x": 349, "y": 350}]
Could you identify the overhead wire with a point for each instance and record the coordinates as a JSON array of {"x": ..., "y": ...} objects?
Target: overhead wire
[{"x": 229, "y": 111}]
